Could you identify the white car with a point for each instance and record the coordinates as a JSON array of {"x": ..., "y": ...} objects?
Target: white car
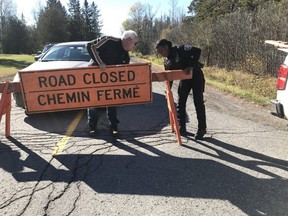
[
  {"x": 41, "y": 53},
  {"x": 281, "y": 101},
  {"x": 62, "y": 55}
]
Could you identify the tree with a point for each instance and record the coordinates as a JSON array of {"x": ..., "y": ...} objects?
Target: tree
[
  {"x": 52, "y": 25},
  {"x": 76, "y": 21},
  {"x": 205, "y": 9},
  {"x": 92, "y": 23},
  {"x": 7, "y": 9},
  {"x": 15, "y": 37},
  {"x": 87, "y": 20},
  {"x": 96, "y": 23},
  {"x": 176, "y": 14},
  {"x": 37, "y": 8},
  {"x": 141, "y": 20},
  {"x": 235, "y": 41}
]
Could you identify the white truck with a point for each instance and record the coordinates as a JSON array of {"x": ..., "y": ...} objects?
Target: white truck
[{"x": 281, "y": 101}]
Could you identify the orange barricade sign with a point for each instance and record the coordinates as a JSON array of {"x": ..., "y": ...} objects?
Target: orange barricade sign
[{"x": 67, "y": 89}]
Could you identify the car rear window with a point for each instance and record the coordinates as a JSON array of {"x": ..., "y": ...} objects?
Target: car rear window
[{"x": 67, "y": 53}]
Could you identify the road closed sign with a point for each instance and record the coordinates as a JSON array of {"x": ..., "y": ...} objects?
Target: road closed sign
[{"x": 70, "y": 89}]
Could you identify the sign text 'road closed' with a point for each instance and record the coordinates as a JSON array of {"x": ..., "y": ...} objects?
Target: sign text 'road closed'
[{"x": 68, "y": 89}]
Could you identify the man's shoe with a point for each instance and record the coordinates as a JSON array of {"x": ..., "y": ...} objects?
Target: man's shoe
[
  {"x": 114, "y": 129},
  {"x": 200, "y": 134},
  {"x": 183, "y": 131},
  {"x": 92, "y": 128}
]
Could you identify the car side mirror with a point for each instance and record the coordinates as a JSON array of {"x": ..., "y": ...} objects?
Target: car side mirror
[{"x": 39, "y": 52}]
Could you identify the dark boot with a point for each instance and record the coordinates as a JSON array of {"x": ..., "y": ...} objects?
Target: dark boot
[
  {"x": 92, "y": 128},
  {"x": 114, "y": 129},
  {"x": 183, "y": 130},
  {"x": 200, "y": 134}
]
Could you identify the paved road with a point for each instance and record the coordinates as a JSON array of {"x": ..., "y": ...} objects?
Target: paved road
[{"x": 241, "y": 168}]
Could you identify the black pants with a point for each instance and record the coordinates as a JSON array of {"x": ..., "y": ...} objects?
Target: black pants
[
  {"x": 111, "y": 112},
  {"x": 197, "y": 84}
]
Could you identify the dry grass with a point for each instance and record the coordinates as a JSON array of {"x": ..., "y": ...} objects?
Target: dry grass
[
  {"x": 151, "y": 58},
  {"x": 259, "y": 89},
  {"x": 11, "y": 64},
  {"x": 251, "y": 87}
]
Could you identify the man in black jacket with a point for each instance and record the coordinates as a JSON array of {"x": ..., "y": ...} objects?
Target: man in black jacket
[
  {"x": 186, "y": 57},
  {"x": 104, "y": 51}
]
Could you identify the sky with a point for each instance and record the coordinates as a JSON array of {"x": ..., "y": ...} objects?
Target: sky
[{"x": 113, "y": 12}]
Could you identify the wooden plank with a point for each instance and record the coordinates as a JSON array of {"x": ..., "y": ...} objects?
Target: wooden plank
[
  {"x": 172, "y": 113},
  {"x": 13, "y": 87},
  {"x": 170, "y": 75},
  {"x": 5, "y": 107}
]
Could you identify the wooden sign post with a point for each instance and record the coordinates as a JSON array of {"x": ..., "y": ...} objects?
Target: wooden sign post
[
  {"x": 5, "y": 107},
  {"x": 167, "y": 76},
  {"x": 5, "y": 102}
]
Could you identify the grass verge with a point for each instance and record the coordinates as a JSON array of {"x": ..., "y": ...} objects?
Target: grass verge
[
  {"x": 11, "y": 64},
  {"x": 251, "y": 87},
  {"x": 258, "y": 89}
]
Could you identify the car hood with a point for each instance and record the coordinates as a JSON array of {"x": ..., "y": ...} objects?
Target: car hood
[{"x": 36, "y": 66}]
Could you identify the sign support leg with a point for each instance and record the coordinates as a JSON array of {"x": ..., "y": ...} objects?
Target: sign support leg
[
  {"x": 8, "y": 115},
  {"x": 172, "y": 113},
  {"x": 5, "y": 108}
]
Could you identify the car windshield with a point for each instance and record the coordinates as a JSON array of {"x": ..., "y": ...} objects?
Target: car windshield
[
  {"x": 46, "y": 48},
  {"x": 67, "y": 53}
]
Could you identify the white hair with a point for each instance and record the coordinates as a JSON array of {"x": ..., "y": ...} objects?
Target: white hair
[{"x": 129, "y": 34}]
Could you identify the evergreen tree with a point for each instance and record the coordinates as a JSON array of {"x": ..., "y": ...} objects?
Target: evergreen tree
[
  {"x": 7, "y": 10},
  {"x": 52, "y": 24},
  {"x": 76, "y": 21},
  {"x": 15, "y": 37},
  {"x": 96, "y": 23},
  {"x": 87, "y": 20},
  {"x": 92, "y": 23},
  {"x": 205, "y": 9}
]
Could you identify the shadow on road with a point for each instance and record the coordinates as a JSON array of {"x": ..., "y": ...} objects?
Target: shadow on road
[
  {"x": 155, "y": 172},
  {"x": 165, "y": 175}
]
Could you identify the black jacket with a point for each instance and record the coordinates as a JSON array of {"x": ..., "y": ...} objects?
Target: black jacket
[
  {"x": 107, "y": 50},
  {"x": 182, "y": 57}
]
